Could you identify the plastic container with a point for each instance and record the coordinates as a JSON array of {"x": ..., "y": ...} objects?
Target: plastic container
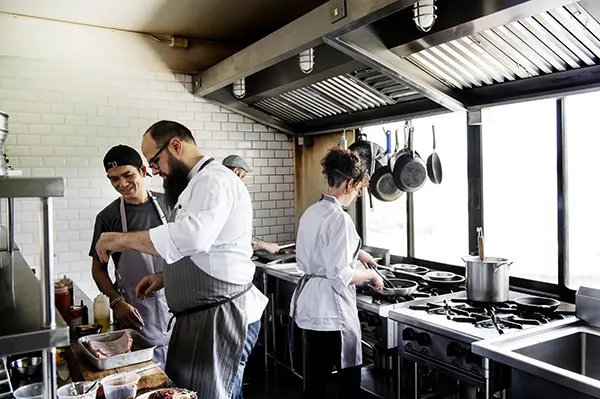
[
  {"x": 120, "y": 386},
  {"x": 75, "y": 390},
  {"x": 102, "y": 312},
  {"x": 31, "y": 391},
  {"x": 62, "y": 301}
]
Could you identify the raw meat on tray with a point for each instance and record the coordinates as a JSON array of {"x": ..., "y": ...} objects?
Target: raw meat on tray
[{"x": 104, "y": 349}]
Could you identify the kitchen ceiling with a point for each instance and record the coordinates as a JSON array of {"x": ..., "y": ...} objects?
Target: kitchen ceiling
[
  {"x": 480, "y": 54},
  {"x": 220, "y": 21}
]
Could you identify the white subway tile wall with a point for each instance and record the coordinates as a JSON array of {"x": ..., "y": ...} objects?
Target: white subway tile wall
[{"x": 64, "y": 118}]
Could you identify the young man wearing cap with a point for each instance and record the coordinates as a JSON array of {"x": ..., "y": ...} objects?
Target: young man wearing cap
[
  {"x": 241, "y": 168},
  {"x": 136, "y": 209}
]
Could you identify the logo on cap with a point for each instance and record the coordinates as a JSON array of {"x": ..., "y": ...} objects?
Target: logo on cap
[{"x": 112, "y": 164}]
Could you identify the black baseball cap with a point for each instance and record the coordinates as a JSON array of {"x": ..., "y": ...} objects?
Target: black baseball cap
[{"x": 122, "y": 155}]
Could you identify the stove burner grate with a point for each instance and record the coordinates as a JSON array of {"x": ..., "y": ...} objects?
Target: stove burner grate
[{"x": 500, "y": 316}]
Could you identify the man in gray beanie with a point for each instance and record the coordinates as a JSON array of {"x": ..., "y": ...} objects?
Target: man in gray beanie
[{"x": 241, "y": 168}]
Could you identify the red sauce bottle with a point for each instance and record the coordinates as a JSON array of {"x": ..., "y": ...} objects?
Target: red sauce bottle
[{"x": 62, "y": 301}]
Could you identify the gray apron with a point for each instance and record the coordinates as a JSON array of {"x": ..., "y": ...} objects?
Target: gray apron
[
  {"x": 348, "y": 312},
  {"x": 133, "y": 266},
  {"x": 210, "y": 328}
]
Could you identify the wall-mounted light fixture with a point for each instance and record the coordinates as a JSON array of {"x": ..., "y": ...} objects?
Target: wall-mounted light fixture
[
  {"x": 239, "y": 88},
  {"x": 424, "y": 14},
  {"x": 306, "y": 60}
]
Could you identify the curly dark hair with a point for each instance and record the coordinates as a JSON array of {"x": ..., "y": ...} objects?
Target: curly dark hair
[{"x": 342, "y": 165}]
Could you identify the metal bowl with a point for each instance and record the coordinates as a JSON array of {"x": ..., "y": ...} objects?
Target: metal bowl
[
  {"x": 441, "y": 276},
  {"x": 27, "y": 366}
]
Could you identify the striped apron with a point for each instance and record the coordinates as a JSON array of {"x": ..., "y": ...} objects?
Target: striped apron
[{"x": 210, "y": 329}]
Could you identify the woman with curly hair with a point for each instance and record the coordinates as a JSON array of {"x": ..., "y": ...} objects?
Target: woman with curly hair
[{"x": 324, "y": 302}]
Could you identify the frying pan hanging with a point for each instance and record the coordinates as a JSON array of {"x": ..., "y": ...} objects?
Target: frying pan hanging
[
  {"x": 408, "y": 169},
  {"x": 434, "y": 165},
  {"x": 537, "y": 304},
  {"x": 381, "y": 183}
]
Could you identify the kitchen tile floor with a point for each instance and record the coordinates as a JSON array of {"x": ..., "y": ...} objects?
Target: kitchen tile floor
[{"x": 280, "y": 383}]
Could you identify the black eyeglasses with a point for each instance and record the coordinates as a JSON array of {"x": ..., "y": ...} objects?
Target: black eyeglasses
[{"x": 153, "y": 162}]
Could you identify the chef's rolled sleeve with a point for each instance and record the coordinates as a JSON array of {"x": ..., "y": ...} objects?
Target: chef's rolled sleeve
[
  {"x": 197, "y": 225},
  {"x": 164, "y": 245}
]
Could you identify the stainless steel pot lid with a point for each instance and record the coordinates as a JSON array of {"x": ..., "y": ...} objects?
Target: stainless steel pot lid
[{"x": 441, "y": 276}]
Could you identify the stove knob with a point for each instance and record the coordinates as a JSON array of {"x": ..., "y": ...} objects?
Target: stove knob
[
  {"x": 408, "y": 334},
  {"x": 423, "y": 339},
  {"x": 454, "y": 350},
  {"x": 471, "y": 358}
]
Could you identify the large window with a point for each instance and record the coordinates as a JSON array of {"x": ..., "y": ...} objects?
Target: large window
[
  {"x": 441, "y": 212},
  {"x": 520, "y": 187},
  {"x": 582, "y": 149},
  {"x": 386, "y": 222}
]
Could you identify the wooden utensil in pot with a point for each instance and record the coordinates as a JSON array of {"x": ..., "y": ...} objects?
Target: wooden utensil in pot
[{"x": 480, "y": 242}]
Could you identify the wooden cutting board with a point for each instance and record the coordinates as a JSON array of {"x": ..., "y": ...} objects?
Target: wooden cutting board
[{"x": 81, "y": 369}]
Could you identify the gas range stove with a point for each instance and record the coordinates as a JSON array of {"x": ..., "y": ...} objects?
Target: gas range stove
[
  {"x": 438, "y": 332},
  {"x": 374, "y": 308}
]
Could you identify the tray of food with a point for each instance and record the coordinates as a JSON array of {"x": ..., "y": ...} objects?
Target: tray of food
[{"x": 116, "y": 349}]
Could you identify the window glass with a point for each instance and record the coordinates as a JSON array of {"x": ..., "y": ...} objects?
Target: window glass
[
  {"x": 520, "y": 187},
  {"x": 441, "y": 210},
  {"x": 385, "y": 222},
  {"x": 582, "y": 149}
]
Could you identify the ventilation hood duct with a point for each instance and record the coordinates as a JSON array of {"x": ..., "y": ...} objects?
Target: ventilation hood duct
[{"x": 373, "y": 65}]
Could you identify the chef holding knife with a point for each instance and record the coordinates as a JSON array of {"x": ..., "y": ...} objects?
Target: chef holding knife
[
  {"x": 324, "y": 302},
  {"x": 136, "y": 209},
  {"x": 209, "y": 271}
]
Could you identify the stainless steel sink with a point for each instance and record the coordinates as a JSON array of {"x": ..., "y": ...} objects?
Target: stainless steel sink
[
  {"x": 578, "y": 352},
  {"x": 566, "y": 353}
]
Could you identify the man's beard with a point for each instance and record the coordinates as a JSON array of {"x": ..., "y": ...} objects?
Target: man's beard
[{"x": 176, "y": 181}]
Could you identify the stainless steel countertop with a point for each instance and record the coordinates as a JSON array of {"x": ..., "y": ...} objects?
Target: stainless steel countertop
[
  {"x": 465, "y": 332},
  {"x": 363, "y": 302},
  {"x": 502, "y": 350}
]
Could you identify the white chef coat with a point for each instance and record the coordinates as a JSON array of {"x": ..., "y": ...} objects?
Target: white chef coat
[
  {"x": 213, "y": 226},
  {"x": 326, "y": 246}
]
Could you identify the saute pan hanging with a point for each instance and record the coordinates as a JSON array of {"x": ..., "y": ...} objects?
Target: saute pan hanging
[
  {"x": 434, "y": 165},
  {"x": 382, "y": 183},
  {"x": 408, "y": 169}
]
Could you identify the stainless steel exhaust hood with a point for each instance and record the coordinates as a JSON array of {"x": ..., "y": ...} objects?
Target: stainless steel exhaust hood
[{"x": 373, "y": 65}]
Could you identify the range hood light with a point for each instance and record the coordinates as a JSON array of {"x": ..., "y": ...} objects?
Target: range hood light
[
  {"x": 239, "y": 88},
  {"x": 306, "y": 59},
  {"x": 424, "y": 14}
]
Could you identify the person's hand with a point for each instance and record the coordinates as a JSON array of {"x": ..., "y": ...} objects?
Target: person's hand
[
  {"x": 128, "y": 315},
  {"x": 366, "y": 259},
  {"x": 376, "y": 280},
  {"x": 149, "y": 284},
  {"x": 107, "y": 244},
  {"x": 270, "y": 247}
]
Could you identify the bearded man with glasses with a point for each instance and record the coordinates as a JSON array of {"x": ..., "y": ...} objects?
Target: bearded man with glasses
[{"x": 209, "y": 271}]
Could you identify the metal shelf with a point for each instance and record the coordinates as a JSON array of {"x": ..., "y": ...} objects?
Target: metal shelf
[
  {"x": 32, "y": 187},
  {"x": 20, "y": 298}
]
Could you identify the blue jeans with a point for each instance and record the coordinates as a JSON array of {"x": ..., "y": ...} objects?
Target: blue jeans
[{"x": 251, "y": 337}]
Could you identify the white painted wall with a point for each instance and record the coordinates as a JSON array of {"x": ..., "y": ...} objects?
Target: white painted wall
[{"x": 65, "y": 115}]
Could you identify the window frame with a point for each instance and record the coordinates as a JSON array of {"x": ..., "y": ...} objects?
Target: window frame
[{"x": 476, "y": 200}]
